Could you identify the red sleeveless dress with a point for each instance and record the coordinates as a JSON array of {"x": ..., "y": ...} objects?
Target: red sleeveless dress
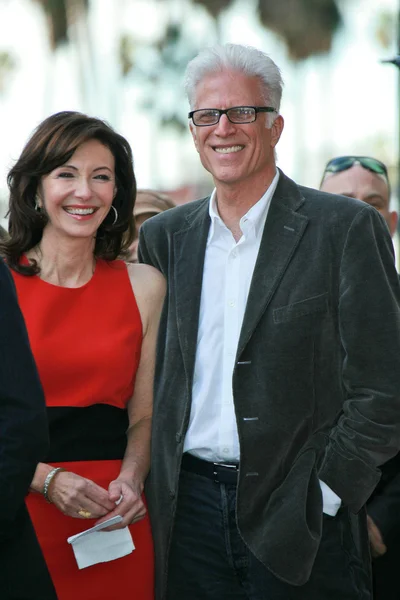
[{"x": 87, "y": 342}]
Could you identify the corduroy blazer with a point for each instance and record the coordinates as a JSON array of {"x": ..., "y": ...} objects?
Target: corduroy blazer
[{"x": 317, "y": 368}]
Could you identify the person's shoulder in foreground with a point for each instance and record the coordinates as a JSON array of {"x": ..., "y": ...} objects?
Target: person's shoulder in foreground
[
  {"x": 23, "y": 443},
  {"x": 23, "y": 423}
]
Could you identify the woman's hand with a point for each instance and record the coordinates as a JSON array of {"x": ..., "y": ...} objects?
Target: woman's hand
[
  {"x": 79, "y": 497},
  {"x": 126, "y": 496}
]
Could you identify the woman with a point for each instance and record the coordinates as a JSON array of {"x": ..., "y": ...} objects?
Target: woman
[{"x": 92, "y": 322}]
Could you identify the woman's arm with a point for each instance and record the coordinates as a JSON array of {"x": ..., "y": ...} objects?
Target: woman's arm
[
  {"x": 149, "y": 289},
  {"x": 71, "y": 493}
]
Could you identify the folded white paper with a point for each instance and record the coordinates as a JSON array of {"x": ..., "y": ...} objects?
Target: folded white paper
[{"x": 94, "y": 546}]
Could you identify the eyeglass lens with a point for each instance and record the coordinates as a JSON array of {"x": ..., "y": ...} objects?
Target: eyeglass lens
[{"x": 241, "y": 114}]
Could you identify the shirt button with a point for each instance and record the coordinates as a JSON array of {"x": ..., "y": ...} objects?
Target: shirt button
[
  {"x": 225, "y": 450},
  {"x": 231, "y": 303},
  {"x": 234, "y": 254}
]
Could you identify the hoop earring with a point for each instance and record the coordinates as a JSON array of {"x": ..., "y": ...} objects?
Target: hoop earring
[{"x": 115, "y": 215}]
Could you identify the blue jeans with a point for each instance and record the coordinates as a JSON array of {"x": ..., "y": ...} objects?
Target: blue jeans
[{"x": 210, "y": 561}]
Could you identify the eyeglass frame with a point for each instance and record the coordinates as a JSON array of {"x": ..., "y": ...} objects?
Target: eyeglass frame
[
  {"x": 359, "y": 160},
  {"x": 224, "y": 111}
]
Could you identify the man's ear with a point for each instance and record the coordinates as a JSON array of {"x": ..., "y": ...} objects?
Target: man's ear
[
  {"x": 276, "y": 130},
  {"x": 194, "y": 136}
]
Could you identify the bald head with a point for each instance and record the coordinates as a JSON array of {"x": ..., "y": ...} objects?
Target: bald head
[{"x": 358, "y": 182}]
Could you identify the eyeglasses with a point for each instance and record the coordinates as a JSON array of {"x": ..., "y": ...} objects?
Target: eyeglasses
[
  {"x": 237, "y": 114},
  {"x": 342, "y": 163}
]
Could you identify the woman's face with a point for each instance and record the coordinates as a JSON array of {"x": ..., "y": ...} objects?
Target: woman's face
[{"x": 78, "y": 195}]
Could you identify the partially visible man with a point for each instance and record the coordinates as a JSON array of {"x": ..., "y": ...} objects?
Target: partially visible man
[
  {"x": 147, "y": 204},
  {"x": 23, "y": 443},
  {"x": 277, "y": 389},
  {"x": 366, "y": 179}
]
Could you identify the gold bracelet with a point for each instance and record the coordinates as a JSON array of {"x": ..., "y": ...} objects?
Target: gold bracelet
[{"x": 50, "y": 476}]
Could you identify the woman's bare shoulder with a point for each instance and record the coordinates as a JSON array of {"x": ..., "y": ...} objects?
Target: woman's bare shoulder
[
  {"x": 148, "y": 285},
  {"x": 146, "y": 275}
]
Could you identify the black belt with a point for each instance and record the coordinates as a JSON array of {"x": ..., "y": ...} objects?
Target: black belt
[{"x": 218, "y": 472}]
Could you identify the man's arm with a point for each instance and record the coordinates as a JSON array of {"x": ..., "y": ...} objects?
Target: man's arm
[
  {"x": 367, "y": 433},
  {"x": 144, "y": 256},
  {"x": 23, "y": 423}
]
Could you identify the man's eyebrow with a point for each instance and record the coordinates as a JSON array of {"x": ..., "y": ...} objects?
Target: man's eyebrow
[
  {"x": 347, "y": 194},
  {"x": 375, "y": 195}
]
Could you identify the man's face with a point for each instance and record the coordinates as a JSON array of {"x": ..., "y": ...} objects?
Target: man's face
[
  {"x": 133, "y": 248},
  {"x": 364, "y": 185},
  {"x": 233, "y": 153}
]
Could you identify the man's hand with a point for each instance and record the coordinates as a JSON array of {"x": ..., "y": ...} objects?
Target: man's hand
[
  {"x": 378, "y": 548},
  {"x": 128, "y": 503}
]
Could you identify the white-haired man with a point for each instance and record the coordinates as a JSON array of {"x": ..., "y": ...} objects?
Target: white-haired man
[{"x": 275, "y": 401}]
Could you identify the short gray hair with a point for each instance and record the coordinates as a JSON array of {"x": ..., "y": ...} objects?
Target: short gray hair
[{"x": 234, "y": 57}]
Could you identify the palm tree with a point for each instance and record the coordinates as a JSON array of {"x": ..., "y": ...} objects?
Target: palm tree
[
  {"x": 61, "y": 14},
  {"x": 306, "y": 26}
]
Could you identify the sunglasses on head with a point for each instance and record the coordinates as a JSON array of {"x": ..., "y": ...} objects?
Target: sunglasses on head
[{"x": 342, "y": 163}]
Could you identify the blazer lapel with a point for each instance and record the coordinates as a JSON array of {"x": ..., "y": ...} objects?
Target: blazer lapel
[
  {"x": 283, "y": 231},
  {"x": 189, "y": 250}
]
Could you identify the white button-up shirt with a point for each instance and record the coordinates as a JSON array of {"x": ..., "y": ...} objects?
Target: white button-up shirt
[{"x": 228, "y": 269}]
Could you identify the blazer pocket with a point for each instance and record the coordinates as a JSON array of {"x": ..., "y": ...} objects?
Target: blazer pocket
[{"x": 309, "y": 306}]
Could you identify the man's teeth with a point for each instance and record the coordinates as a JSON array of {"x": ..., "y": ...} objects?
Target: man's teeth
[
  {"x": 80, "y": 211},
  {"x": 229, "y": 149}
]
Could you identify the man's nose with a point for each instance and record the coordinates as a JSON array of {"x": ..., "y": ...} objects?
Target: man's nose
[{"x": 224, "y": 126}]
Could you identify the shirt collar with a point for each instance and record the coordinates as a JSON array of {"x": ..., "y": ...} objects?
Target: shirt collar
[{"x": 255, "y": 216}]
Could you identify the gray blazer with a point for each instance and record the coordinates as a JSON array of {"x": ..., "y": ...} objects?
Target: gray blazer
[{"x": 318, "y": 364}]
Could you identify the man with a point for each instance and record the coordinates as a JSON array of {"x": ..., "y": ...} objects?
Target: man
[
  {"x": 275, "y": 399},
  {"x": 147, "y": 204},
  {"x": 366, "y": 179},
  {"x": 23, "y": 443}
]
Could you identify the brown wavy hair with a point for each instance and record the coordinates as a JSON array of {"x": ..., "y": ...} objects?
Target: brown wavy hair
[{"x": 51, "y": 145}]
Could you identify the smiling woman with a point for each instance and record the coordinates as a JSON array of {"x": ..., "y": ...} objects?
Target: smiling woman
[
  {"x": 92, "y": 323},
  {"x": 77, "y": 197},
  {"x": 84, "y": 160}
]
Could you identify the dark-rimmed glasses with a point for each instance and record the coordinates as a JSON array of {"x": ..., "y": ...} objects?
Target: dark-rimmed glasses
[
  {"x": 237, "y": 114},
  {"x": 342, "y": 163}
]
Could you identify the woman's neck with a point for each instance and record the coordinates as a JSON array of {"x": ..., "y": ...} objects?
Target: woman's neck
[{"x": 66, "y": 262}]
